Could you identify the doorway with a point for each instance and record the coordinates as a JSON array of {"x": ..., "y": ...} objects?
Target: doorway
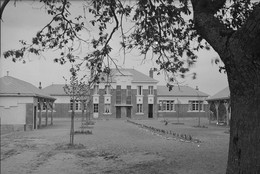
[
  {"x": 118, "y": 112},
  {"x": 128, "y": 112},
  {"x": 150, "y": 110}
]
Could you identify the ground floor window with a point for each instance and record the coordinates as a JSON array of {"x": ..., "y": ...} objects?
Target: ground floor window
[
  {"x": 195, "y": 105},
  {"x": 166, "y": 105},
  {"x": 139, "y": 108},
  {"x": 107, "y": 108},
  {"x": 95, "y": 108},
  {"x": 77, "y": 105}
]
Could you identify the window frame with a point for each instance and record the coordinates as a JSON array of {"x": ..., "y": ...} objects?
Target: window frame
[
  {"x": 107, "y": 108},
  {"x": 139, "y": 90},
  {"x": 166, "y": 106},
  {"x": 95, "y": 108},
  {"x": 139, "y": 108},
  {"x": 150, "y": 90}
]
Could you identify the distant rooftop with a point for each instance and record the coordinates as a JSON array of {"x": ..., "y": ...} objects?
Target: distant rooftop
[
  {"x": 10, "y": 86},
  {"x": 180, "y": 91},
  {"x": 221, "y": 95},
  {"x": 137, "y": 76}
]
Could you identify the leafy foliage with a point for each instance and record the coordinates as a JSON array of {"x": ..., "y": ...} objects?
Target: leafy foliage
[{"x": 159, "y": 28}]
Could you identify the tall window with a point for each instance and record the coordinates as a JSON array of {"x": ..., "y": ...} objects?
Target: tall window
[
  {"x": 96, "y": 89},
  {"x": 107, "y": 89},
  {"x": 195, "y": 105},
  {"x": 95, "y": 108},
  {"x": 150, "y": 90},
  {"x": 107, "y": 108},
  {"x": 128, "y": 95},
  {"x": 139, "y": 90},
  {"x": 166, "y": 105},
  {"x": 139, "y": 108}
]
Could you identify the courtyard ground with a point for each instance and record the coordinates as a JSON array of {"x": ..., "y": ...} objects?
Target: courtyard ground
[{"x": 116, "y": 146}]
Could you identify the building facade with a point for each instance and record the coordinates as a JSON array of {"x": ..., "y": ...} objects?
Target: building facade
[
  {"x": 181, "y": 101},
  {"x": 127, "y": 93}
]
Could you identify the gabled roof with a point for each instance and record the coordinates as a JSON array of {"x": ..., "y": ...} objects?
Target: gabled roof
[
  {"x": 10, "y": 86},
  {"x": 221, "y": 95},
  {"x": 55, "y": 89},
  {"x": 180, "y": 91},
  {"x": 137, "y": 76}
]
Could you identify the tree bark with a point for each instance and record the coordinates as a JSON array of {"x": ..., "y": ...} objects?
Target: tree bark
[{"x": 240, "y": 52}]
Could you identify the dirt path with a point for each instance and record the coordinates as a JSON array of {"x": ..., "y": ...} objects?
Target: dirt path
[{"x": 114, "y": 147}]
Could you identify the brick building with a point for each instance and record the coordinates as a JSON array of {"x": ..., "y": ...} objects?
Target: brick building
[
  {"x": 181, "y": 101},
  {"x": 128, "y": 93}
]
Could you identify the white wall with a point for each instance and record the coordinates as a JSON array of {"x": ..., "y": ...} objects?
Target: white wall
[{"x": 13, "y": 109}]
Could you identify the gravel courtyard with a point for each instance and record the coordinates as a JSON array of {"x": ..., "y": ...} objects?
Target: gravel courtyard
[{"x": 116, "y": 146}]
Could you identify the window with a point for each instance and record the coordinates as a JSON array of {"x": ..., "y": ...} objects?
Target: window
[
  {"x": 77, "y": 105},
  {"x": 139, "y": 108},
  {"x": 107, "y": 89},
  {"x": 128, "y": 95},
  {"x": 95, "y": 89},
  {"x": 139, "y": 90},
  {"x": 95, "y": 108},
  {"x": 150, "y": 90},
  {"x": 195, "y": 105},
  {"x": 166, "y": 105},
  {"x": 107, "y": 108}
]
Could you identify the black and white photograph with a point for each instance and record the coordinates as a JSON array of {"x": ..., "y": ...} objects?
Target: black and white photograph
[{"x": 130, "y": 87}]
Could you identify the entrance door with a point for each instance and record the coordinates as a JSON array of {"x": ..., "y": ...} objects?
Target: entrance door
[
  {"x": 34, "y": 118},
  {"x": 118, "y": 112},
  {"x": 150, "y": 111},
  {"x": 128, "y": 112}
]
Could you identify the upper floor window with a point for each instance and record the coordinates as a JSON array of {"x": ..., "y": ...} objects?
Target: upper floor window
[
  {"x": 107, "y": 89},
  {"x": 139, "y": 90},
  {"x": 150, "y": 90},
  {"x": 196, "y": 105},
  {"x": 96, "y": 89}
]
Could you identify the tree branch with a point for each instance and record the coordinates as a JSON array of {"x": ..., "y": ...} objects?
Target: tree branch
[
  {"x": 208, "y": 26},
  {"x": 3, "y": 7}
]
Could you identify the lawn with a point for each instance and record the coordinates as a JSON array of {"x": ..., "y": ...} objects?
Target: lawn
[{"x": 117, "y": 146}]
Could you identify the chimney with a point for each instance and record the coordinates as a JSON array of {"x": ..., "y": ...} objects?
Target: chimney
[
  {"x": 40, "y": 85},
  {"x": 151, "y": 73},
  {"x": 197, "y": 88}
]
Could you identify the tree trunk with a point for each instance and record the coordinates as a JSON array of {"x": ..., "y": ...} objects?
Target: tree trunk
[
  {"x": 72, "y": 123},
  {"x": 244, "y": 145},
  {"x": 240, "y": 51}
]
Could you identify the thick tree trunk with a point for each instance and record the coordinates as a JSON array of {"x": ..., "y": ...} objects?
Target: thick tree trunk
[
  {"x": 240, "y": 52},
  {"x": 244, "y": 145}
]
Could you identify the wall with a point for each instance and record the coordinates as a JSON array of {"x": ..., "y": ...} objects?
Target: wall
[
  {"x": 181, "y": 105},
  {"x": 13, "y": 109}
]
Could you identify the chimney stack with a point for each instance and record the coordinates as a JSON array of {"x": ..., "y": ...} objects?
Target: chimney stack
[
  {"x": 40, "y": 85},
  {"x": 151, "y": 73}
]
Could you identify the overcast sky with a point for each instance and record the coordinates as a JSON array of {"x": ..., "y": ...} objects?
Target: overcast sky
[{"x": 23, "y": 20}]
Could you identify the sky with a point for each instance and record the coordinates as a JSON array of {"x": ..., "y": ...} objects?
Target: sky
[{"x": 22, "y": 20}]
